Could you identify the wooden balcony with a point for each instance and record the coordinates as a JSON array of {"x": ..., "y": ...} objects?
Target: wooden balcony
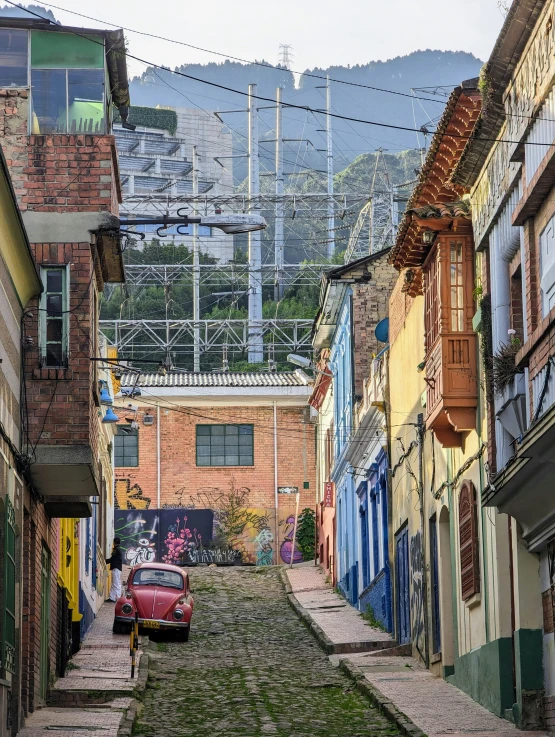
[{"x": 452, "y": 387}]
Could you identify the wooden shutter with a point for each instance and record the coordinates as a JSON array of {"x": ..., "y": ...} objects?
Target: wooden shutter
[{"x": 468, "y": 541}]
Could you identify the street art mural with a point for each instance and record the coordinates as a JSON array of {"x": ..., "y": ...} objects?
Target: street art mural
[
  {"x": 129, "y": 497},
  {"x": 217, "y": 526},
  {"x": 162, "y": 535}
]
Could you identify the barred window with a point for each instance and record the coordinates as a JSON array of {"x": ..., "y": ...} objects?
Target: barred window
[
  {"x": 225, "y": 445},
  {"x": 126, "y": 447}
]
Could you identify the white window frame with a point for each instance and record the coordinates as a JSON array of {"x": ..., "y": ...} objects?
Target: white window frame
[
  {"x": 547, "y": 266},
  {"x": 65, "y": 313}
]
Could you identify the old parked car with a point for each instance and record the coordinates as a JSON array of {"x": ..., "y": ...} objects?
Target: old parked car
[{"x": 161, "y": 596}]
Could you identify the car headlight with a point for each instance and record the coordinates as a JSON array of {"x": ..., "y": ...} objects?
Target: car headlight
[
  {"x": 126, "y": 608},
  {"x": 178, "y": 614}
]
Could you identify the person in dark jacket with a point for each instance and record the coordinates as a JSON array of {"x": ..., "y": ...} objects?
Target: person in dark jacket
[{"x": 116, "y": 565}]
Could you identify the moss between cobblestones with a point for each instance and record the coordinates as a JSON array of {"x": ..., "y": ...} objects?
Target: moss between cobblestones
[{"x": 250, "y": 669}]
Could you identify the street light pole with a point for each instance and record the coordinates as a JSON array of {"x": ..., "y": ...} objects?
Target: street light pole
[
  {"x": 255, "y": 352},
  {"x": 280, "y": 205},
  {"x": 196, "y": 270}
]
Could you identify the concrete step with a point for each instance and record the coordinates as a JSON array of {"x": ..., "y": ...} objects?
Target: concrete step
[{"x": 401, "y": 650}]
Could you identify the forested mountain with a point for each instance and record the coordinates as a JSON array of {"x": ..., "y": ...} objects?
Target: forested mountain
[{"x": 414, "y": 71}]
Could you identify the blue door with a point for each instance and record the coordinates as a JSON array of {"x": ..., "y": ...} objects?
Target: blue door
[
  {"x": 403, "y": 586},
  {"x": 363, "y": 511},
  {"x": 375, "y": 532},
  {"x": 436, "y": 621}
]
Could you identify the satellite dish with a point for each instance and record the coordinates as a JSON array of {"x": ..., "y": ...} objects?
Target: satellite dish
[{"x": 382, "y": 330}]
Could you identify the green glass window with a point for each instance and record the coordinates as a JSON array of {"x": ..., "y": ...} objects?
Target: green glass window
[
  {"x": 52, "y": 50},
  {"x": 67, "y": 101},
  {"x": 14, "y": 58},
  {"x": 126, "y": 447},
  {"x": 8, "y": 624},
  {"x": 225, "y": 445},
  {"x": 54, "y": 318}
]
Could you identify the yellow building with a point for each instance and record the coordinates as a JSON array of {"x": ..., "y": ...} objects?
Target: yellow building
[{"x": 451, "y": 582}]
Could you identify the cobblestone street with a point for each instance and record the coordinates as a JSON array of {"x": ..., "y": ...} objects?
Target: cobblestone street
[{"x": 250, "y": 669}]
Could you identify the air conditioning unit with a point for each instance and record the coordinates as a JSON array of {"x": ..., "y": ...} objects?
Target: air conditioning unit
[{"x": 148, "y": 420}]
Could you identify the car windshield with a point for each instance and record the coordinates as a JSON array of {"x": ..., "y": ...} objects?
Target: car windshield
[{"x": 154, "y": 577}]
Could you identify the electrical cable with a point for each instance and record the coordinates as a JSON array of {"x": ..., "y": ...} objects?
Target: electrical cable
[{"x": 390, "y": 126}]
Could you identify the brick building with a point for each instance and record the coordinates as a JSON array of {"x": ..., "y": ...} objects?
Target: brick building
[
  {"x": 58, "y": 88},
  {"x": 217, "y": 454}
]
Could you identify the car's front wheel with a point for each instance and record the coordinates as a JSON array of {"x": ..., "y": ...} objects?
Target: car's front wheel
[
  {"x": 183, "y": 634},
  {"x": 121, "y": 628}
]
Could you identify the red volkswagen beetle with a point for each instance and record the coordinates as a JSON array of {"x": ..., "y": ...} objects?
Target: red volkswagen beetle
[{"x": 160, "y": 594}]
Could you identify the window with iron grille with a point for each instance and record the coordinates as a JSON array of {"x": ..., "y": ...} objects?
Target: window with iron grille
[
  {"x": 8, "y": 623},
  {"x": 225, "y": 445},
  {"x": 468, "y": 541},
  {"x": 126, "y": 447},
  {"x": 54, "y": 318}
]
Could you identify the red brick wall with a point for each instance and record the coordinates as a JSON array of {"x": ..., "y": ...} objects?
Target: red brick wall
[
  {"x": 370, "y": 305},
  {"x": 57, "y": 173},
  {"x": 61, "y": 404},
  {"x": 182, "y": 480}
]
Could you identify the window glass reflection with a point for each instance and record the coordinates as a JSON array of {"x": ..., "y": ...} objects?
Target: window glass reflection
[
  {"x": 49, "y": 101},
  {"x": 13, "y": 58},
  {"x": 86, "y": 100}
]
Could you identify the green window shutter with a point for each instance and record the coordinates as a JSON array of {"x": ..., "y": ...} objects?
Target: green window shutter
[
  {"x": 53, "y": 50},
  {"x": 8, "y": 655}
]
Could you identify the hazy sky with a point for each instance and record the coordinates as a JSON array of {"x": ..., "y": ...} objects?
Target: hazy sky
[{"x": 321, "y": 32}]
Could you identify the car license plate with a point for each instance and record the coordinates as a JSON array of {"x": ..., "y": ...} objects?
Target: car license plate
[{"x": 152, "y": 623}]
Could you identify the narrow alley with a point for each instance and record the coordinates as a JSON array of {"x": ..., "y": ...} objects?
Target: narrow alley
[{"x": 251, "y": 669}]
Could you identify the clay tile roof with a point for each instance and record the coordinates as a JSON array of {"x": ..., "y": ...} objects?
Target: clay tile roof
[
  {"x": 216, "y": 379},
  {"x": 435, "y": 189}
]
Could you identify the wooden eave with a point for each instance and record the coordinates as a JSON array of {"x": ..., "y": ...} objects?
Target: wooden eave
[{"x": 435, "y": 185}]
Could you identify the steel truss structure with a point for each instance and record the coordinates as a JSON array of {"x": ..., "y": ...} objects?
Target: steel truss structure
[
  {"x": 163, "y": 338},
  {"x": 376, "y": 225},
  {"x": 294, "y": 204},
  {"x": 146, "y": 275}
]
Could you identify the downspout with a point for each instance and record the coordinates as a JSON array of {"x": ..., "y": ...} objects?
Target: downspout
[
  {"x": 158, "y": 465},
  {"x": 276, "y": 537}
]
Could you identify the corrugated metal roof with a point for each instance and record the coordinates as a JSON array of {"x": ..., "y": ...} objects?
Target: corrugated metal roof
[{"x": 213, "y": 379}]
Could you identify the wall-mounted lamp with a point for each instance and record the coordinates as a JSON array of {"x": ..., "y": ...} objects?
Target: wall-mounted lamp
[
  {"x": 421, "y": 366},
  {"x": 428, "y": 237},
  {"x": 409, "y": 276}
]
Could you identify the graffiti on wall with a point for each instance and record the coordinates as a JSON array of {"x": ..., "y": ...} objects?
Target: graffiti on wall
[
  {"x": 286, "y": 551},
  {"x": 161, "y": 535},
  {"x": 129, "y": 497},
  {"x": 237, "y": 525},
  {"x": 417, "y": 590}
]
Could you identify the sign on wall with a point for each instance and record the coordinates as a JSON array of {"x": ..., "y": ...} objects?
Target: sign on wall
[
  {"x": 288, "y": 489},
  {"x": 328, "y": 493}
]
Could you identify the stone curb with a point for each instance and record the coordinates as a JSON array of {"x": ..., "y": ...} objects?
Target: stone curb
[
  {"x": 128, "y": 722},
  {"x": 379, "y": 700},
  {"x": 330, "y": 647}
]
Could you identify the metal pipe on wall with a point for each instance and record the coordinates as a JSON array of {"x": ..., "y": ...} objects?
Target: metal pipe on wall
[
  {"x": 276, "y": 498},
  {"x": 158, "y": 464}
]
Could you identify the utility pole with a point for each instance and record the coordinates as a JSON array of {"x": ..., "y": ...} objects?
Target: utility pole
[
  {"x": 196, "y": 269},
  {"x": 280, "y": 204},
  {"x": 331, "y": 220},
  {"x": 256, "y": 346}
]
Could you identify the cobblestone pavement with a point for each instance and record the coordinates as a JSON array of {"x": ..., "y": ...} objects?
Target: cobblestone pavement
[{"x": 250, "y": 669}]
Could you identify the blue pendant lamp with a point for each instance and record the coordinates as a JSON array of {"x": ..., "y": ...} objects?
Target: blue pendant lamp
[
  {"x": 105, "y": 397},
  {"x": 110, "y": 416}
]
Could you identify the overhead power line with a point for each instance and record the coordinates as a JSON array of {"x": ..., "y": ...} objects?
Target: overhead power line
[{"x": 243, "y": 93}]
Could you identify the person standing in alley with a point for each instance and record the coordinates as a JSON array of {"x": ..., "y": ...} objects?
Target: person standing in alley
[{"x": 116, "y": 565}]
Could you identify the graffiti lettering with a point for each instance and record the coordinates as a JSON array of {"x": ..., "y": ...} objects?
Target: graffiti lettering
[
  {"x": 130, "y": 497},
  {"x": 213, "y": 555}
]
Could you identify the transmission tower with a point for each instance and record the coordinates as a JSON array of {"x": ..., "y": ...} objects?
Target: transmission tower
[
  {"x": 285, "y": 55},
  {"x": 376, "y": 225}
]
